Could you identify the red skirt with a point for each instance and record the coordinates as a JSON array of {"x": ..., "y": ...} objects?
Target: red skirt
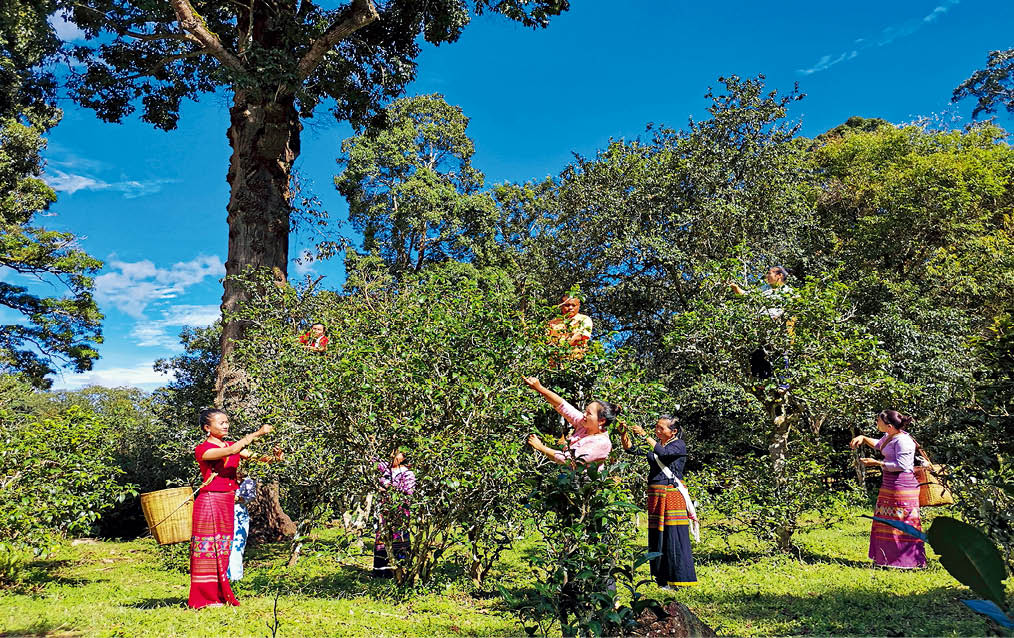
[{"x": 210, "y": 544}]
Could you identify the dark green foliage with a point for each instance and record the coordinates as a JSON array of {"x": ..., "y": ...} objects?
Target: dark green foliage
[
  {"x": 922, "y": 221},
  {"x": 583, "y": 515},
  {"x": 151, "y": 451},
  {"x": 58, "y": 474},
  {"x": 430, "y": 365},
  {"x": 58, "y": 330},
  {"x": 411, "y": 187},
  {"x": 26, "y": 40},
  {"x": 137, "y": 55},
  {"x": 898, "y": 240},
  {"x": 637, "y": 225},
  {"x": 983, "y": 438},
  {"x": 992, "y": 86}
]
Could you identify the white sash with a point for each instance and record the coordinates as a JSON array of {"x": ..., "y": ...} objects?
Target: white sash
[{"x": 695, "y": 526}]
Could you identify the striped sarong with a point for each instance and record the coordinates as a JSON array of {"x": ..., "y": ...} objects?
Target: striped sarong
[
  {"x": 210, "y": 544},
  {"x": 669, "y": 533},
  {"x": 898, "y": 500}
]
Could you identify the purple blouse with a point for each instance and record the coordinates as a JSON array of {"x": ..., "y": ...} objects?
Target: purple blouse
[
  {"x": 401, "y": 478},
  {"x": 899, "y": 452}
]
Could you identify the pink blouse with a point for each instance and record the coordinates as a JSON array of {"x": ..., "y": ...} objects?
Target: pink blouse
[{"x": 585, "y": 447}]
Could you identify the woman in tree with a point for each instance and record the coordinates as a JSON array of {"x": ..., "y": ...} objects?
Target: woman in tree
[
  {"x": 898, "y": 499},
  {"x": 775, "y": 291},
  {"x": 589, "y": 442},
  {"x": 211, "y": 538},
  {"x": 671, "y": 515},
  {"x": 315, "y": 339},
  {"x": 397, "y": 477}
]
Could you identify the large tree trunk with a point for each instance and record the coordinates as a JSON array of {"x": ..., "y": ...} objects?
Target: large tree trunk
[
  {"x": 264, "y": 135},
  {"x": 268, "y": 523}
]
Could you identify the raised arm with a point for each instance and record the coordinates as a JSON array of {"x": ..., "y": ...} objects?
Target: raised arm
[
  {"x": 275, "y": 456},
  {"x": 554, "y": 399},
  {"x": 639, "y": 431},
  {"x": 862, "y": 440},
  {"x": 221, "y": 452}
]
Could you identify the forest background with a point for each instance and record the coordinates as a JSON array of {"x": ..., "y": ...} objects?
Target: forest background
[{"x": 898, "y": 238}]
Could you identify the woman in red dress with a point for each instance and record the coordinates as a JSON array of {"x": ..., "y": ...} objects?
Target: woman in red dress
[
  {"x": 211, "y": 539},
  {"x": 315, "y": 339}
]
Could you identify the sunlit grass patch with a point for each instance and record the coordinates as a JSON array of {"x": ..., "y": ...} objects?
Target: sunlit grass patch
[{"x": 121, "y": 589}]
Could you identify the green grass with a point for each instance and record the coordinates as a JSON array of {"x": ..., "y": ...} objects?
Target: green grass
[{"x": 120, "y": 589}]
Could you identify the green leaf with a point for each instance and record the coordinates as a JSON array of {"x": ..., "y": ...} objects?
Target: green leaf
[
  {"x": 969, "y": 556},
  {"x": 644, "y": 558}
]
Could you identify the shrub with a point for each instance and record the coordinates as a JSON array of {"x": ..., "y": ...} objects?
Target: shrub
[
  {"x": 583, "y": 516},
  {"x": 57, "y": 476},
  {"x": 431, "y": 365}
]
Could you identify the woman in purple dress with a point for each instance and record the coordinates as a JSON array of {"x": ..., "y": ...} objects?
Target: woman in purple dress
[
  {"x": 394, "y": 476},
  {"x": 898, "y": 499}
]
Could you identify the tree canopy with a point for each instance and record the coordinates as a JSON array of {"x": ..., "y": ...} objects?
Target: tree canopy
[
  {"x": 279, "y": 61},
  {"x": 411, "y": 187},
  {"x": 992, "y": 87},
  {"x": 57, "y": 330}
]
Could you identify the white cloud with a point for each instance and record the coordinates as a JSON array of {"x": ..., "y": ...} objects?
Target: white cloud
[
  {"x": 938, "y": 11},
  {"x": 157, "y": 333},
  {"x": 142, "y": 376},
  {"x": 65, "y": 29},
  {"x": 132, "y": 286},
  {"x": 887, "y": 36},
  {"x": 71, "y": 183},
  {"x": 826, "y": 62}
]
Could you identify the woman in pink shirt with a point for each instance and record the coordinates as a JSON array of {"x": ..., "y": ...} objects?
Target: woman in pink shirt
[{"x": 589, "y": 443}]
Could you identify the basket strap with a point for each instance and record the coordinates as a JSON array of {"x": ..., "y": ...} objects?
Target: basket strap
[
  {"x": 922, "y": 451},
  {"x": 203, "y": 485}
]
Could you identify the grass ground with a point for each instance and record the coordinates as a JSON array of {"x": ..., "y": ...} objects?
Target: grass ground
[{"x": 122, "y": 589}]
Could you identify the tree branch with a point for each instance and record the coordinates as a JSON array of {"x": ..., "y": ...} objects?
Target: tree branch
[
  {"x": 123, "y": 31},
  {"x": 166, "y": 60},
  {"x": 359, "y": 14},
  {"x": 195, "y": 25}
]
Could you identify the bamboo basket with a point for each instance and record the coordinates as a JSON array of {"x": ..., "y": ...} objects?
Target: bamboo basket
[{"x": 169, "y": 514}]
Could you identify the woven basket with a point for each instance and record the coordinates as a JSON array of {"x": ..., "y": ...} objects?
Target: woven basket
[{"x": 169, "y": 514}]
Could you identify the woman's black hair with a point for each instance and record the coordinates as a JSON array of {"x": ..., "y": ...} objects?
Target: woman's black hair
[
  {"x": 896, "y": 419},
  {"x": 608, "y": 412},
  {"x": 204, "y": 416},
  {"x": 673, "y": 423}
]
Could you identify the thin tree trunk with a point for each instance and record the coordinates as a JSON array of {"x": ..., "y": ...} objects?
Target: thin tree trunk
[
  {"x": 778, "y": 453},
  {"x": 264, "y": 135},
  {"x": 302, "y": 529},
  {"x": 478, "y": 567}
]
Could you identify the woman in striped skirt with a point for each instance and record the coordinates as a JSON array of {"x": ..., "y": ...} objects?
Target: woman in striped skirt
[
  {"x": 898, "y": 499},
  {"x": 671, "y": 514}
]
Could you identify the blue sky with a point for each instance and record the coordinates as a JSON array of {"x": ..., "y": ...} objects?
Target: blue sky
[{"x": 151, "y": 204}]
